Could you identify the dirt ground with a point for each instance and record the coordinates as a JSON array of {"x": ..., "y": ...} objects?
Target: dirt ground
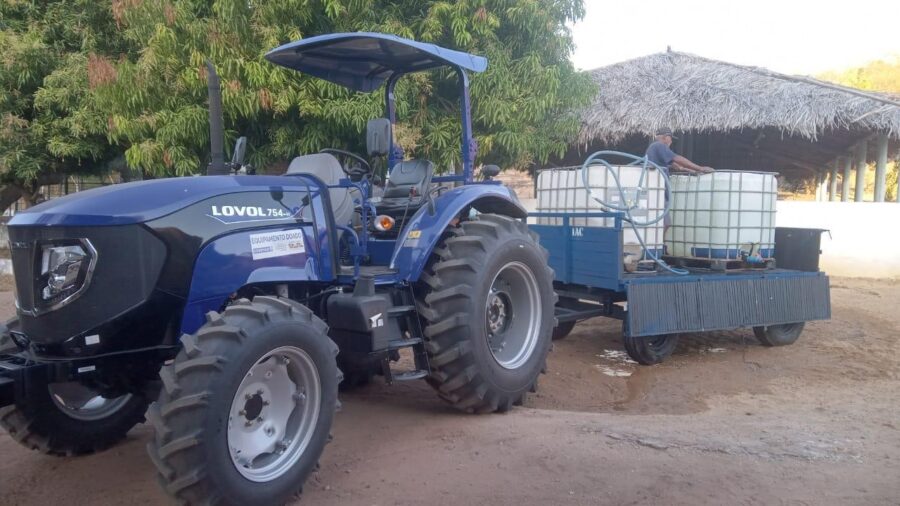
[{"x": 724, "y": 421}]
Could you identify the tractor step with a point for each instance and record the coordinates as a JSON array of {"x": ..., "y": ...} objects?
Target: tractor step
[
  {"x": 397, "y": 311},
  {"x": 409, "y": 375},
  {"x": 399, "y": 344},
  {"x": 421, "y": 359}
]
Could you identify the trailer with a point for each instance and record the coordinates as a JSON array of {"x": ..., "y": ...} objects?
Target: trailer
[{"x": 655, "y": 306}]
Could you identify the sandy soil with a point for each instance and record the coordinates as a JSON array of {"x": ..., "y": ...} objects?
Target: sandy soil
[{"x": 724, "y": 421}]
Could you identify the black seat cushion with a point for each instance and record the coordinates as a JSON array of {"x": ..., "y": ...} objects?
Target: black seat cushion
[{"x": 409, "y": 178}]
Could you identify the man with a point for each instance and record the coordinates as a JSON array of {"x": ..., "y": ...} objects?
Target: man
[{"x": 661, "y": 154}]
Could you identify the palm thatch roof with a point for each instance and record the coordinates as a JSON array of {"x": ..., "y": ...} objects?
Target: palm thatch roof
[{"x": 691, "y": 93}]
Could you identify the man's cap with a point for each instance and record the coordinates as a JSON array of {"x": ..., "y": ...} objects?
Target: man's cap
[{"x": 666, "y": 131}]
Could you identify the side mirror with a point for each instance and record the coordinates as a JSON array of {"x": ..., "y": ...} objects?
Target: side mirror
[
  {"x": 490, "y": 171},
  {"x": 240, "y": 148},
  {"x": 378, "y": 137}
]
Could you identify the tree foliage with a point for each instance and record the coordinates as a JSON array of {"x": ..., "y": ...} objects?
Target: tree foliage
[
  {"x": 878, "y": 75},
  {"x": 155, "y": 99},
  {"x": 49, "y": 120},
  {"x": 881, "y": 76}
]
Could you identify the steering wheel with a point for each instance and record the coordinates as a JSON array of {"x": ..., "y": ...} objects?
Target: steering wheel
[{"x": 351, "y": 173}]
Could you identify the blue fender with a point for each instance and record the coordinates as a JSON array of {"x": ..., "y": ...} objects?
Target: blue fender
[
  {"x": 424, "y": 230},
  {"x": 226, "y": 264}
]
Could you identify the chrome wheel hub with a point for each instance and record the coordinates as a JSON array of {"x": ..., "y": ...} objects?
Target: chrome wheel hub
[
  {"x": 82, "y": 403},
  {"x": 513, "y": 315},
  {"x": 274, "y": 414}
]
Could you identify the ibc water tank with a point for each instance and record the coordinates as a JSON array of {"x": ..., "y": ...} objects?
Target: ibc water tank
[
  {"x": 563, "y": 191},
  {"x": 722, "y": 214}
]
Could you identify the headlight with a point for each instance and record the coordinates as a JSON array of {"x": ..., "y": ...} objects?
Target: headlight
[{"x": 65, "y": 271}]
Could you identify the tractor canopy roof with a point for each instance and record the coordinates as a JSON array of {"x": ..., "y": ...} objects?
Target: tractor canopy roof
[{"x": 362, "y": 61}]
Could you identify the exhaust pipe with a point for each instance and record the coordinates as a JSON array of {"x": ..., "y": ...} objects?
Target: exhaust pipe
[{"x": 216, "y": 124}]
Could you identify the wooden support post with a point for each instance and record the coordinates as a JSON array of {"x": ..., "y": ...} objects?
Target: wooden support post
[
  {"x": 832, "y": 181},
  {"x": 862, "y": 153},
  {"x": 881, "y": 154},
  {"x": 845, "y": 179}
]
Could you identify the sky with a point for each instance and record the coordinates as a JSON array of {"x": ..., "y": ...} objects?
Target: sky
[{"x": 792, "y": 36}]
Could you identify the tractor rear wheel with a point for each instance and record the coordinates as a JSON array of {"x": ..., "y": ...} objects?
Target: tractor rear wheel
[
  {"x": 778, "y": 335},
  {"x": 650, "y": 350},
  {"x": 487, "y": 299},
  {"x": 246, "y": 408}
]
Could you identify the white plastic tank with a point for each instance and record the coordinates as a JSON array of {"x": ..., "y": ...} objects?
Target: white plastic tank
[
  {"x": 563, "y": 190},
  {"x": 722, "y": 215}
]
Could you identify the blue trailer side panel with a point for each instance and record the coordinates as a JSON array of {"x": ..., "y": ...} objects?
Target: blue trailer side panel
[
  {"x": 589, "y": 256},
  {"x": 671, "y": 304}
]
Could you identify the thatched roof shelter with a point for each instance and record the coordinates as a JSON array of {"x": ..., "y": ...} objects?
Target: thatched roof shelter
[{"x": 737, "y": 117}]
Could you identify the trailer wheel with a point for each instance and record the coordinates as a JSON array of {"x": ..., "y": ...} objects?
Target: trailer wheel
[
  {"x": 563, "y": 329},
  {"x": 778, "y": 335},
  {"x": 246, "y": 407},
  {"x": 650, "y": 350},
  {"x": 487, "y": 299}
]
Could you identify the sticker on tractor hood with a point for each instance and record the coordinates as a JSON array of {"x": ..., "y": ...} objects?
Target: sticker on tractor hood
[
  {"x": 230, "y": 215},
  {"x": 276, "y": 244}
]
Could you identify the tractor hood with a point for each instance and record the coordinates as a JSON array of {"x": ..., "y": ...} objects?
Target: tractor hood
[{"x": 143, "y": 201}]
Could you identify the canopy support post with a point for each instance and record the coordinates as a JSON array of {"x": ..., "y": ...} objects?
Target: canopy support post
[
  {"x": 390, "y": 109},
  {"x": 845, "y": 178},
  {"x": 881, "y": 167},
  {"x": 832, "y": 180},
  {"x": 861, "y": 157},
  {"x": 469, "y": 145}
]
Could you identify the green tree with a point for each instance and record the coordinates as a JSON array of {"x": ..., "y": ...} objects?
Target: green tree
[
  {"x": 49, "y": 123},
  {"x": 882, "y": 76},
  {"x": 155, "y": 100}
]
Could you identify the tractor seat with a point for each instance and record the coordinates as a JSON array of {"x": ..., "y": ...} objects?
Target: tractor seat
[
  {"x": 407, "y": 184},
  {"x": 327, "y": 168}
]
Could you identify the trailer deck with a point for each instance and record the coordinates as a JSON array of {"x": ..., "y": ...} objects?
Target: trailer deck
[{"x": 591, "y": 281}]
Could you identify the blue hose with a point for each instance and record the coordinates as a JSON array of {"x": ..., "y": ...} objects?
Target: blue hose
[{"x": 646, "y": 164}]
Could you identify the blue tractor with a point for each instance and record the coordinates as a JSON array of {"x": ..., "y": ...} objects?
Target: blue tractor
[{"x": 225, "y": 307}]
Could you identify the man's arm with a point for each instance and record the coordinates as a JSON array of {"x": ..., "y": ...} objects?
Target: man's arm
[{"x": 689, "y": 166}]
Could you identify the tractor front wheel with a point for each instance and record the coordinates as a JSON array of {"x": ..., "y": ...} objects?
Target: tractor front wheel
[
  {"x": 487, "y": 298},
  {"x": 68, "y": 418},
  {"x": 247, "y": 406}
]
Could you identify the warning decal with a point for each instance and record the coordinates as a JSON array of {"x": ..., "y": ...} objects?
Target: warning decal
[{"x": 276, "y": 244}]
